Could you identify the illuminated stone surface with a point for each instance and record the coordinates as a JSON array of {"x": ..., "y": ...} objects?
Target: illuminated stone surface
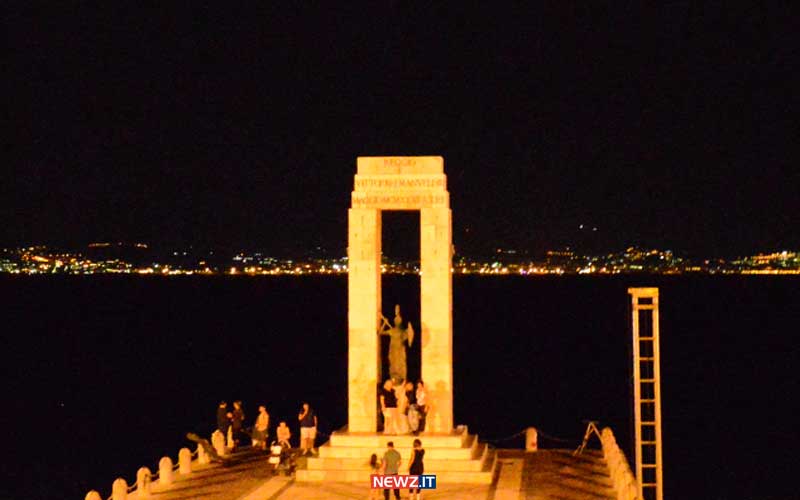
[
  {"x": 364, "y": 292},
  {"x": 218, "y": 442},
  {"x": 245, "y": 473},
  {"x": 532, "y": 476},
  {"x": 558, "y": 474},
  {"x": 400, "y": 183},
  {"x": 165, "y": 475},
  {"x": 185, "y": 461},
  {"x": 339, "y": 490},
  {"x": 531, "y": 439},
  {"x": 119, "y": 490},
  {"x": 202, "y": 457},
  {"x": 143, "y": 481},
  {"x": 456, "y": 457}
]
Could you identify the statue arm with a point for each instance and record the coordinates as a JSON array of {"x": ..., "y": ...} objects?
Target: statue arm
[
  {"x": 384, "y": 327},
  {"x": 410, "y": 334}
]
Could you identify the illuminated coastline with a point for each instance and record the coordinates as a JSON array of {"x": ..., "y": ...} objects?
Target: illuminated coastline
[{"x": 42, "y": 260}]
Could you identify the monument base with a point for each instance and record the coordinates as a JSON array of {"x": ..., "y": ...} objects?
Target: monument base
[{"x": 456, "y": 457}]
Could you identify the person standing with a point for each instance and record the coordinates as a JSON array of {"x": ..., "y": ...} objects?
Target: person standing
[
  {"x": 411, "y": 395},
  {"x": 260, "y": 428},
  {"x": 391, "y": 467},
  {"x": 229, "y": 437},
  {"x": 308, "y": 429},
  {"x": 374, "y": 469},
  {"x": 237, "y": 422},
  {"x": 411, "y": 413},
  {"x": 389, "y": 408},
  {"x": 223, "y": 422},
  {"x": 237, "y": 419},
  {"x": 422, "y": 405},
  {"x": 402, "y": 408},
  {"x": 416, "y": 468}
]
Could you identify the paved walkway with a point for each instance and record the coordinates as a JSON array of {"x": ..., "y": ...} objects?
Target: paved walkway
[
  {"x": 341, "y": 491},
  {"x": 544, "y": 475},
  {"x": 557, "y": 474}
]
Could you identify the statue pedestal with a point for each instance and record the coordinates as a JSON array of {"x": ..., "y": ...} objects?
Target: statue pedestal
[{"x": 456, "y": 457}]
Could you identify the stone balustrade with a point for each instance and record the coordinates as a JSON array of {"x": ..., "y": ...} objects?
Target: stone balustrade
[
  {"x": 624, "y": 481},
  {"x": 145, "y": 479}
]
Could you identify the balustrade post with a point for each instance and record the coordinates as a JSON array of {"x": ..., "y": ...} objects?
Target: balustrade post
[
  {"x": 165, "y": 471},
  {"x": 531, "y": 439},
  {"x": 185, "y": 461},
  {"x": 143, "y": 480},
  {"x": 119, "y": 489},
  {"x": 202, "y": 457},
  {"x": 218, "y": 442}
]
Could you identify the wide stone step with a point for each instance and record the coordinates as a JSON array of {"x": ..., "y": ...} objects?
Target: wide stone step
[
  {"x": 364, "y": 452},
  {"x": 451, "y": 440},
  {"x": 457, "y": 457},
  {"x": 359, "y": 464},
  {"x": 362, "y": 476}
]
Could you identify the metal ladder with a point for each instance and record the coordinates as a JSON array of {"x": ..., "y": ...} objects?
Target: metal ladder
[{"x": 647, "y": 393}]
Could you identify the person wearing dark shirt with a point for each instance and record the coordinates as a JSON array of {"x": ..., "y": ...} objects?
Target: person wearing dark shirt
[
  {"x": 422, "y": 405},
  {"x": 308, "y": 429},
  {"x": 412, "y": 411},
  {"x": 411, "y": 394},
  {"x": 389, "y": 409},
  {"x": 416, "y": 468},
  {"x": 236, "y": 423},
  {"x": 222, "y": 418}
]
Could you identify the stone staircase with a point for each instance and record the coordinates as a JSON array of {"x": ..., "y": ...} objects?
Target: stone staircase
[{"x": 457, "y": 457}]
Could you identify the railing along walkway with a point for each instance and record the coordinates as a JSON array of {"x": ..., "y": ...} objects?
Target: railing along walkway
[{"x": 241, "y": 473}]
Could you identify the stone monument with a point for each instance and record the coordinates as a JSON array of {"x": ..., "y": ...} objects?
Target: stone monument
[
  {"x": 398, "y": 338},
  {"x": 400, "y": 183}
]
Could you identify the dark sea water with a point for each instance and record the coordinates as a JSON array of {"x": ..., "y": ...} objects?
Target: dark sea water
[{"x": 106, "y": 374}]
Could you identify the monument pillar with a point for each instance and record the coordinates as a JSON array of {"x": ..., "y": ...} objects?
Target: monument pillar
[
  {"x": 364, "y": 300},
  {"x": 436, "y": 290}
]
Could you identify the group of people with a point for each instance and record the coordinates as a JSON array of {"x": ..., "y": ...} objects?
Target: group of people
[
  {"x": 390, "y": 465},
  {"x": 231, "y": 424},
  {"x": 403, "y": 407}
]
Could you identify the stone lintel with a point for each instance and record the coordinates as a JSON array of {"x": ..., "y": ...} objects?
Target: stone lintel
[
  {"x": 402, "y": 165},
  {"x": 399, "y": 200},
  {"x": 403, "y": 183}
]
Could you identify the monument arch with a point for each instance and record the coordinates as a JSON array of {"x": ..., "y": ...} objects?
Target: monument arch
[{"x": 400, "y": 183}]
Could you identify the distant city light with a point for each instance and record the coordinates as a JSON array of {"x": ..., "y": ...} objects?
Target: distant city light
[{"x": 41, "y": 260}]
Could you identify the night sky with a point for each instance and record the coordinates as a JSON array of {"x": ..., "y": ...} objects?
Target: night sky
[{"x": 672, "y": 126}]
